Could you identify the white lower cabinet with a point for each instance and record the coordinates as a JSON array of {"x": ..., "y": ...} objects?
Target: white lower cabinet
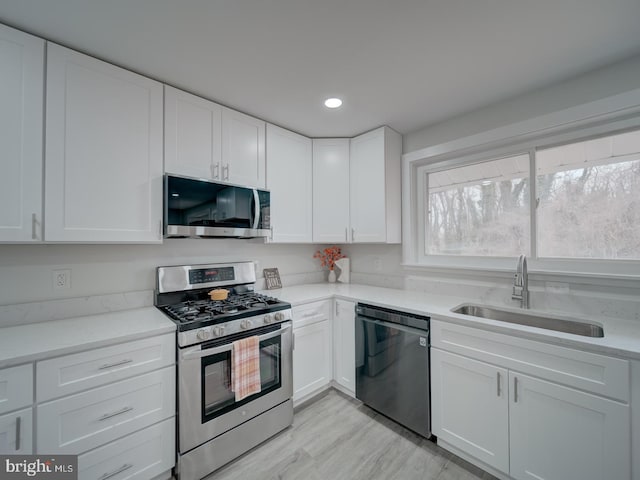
[
  {"x": 141, "y": 455},
  {"x": 83, "y": 421},
  {"x": 561, "y": 433},
  {"x": 344, "y": 344},
  {"x": 313, "y": 348},
  {"x": 469, "y": 407},
  {"x": 16, "y": 433},
  {"x": 524, "y": 426},
  {"x": 312, "y": 358}
]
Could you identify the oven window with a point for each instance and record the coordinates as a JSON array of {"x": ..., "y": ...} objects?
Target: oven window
[{"x": 218, "y": 398}]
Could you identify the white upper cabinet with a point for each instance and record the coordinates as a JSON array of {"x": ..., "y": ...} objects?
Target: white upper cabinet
[
  {"x": 103, "y": 156},
  {"x": 21, "y": 120},
  {"x": 375, "y": 187},
  {"x": 290, "y": 182},
  {"x": 243, "y": 152},
  {"x": 331, "y": 190},
  {"x": 192, "y": 135}
]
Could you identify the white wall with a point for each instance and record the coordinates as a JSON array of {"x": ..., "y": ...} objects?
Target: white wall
[
  {"x": 615, "y": 79},
  {"x": 26, "y": 270}
]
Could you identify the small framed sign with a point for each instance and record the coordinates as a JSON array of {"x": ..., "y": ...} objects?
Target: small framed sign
[{"x": 272, "y": 278}]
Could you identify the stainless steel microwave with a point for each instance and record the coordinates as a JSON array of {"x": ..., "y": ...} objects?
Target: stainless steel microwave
[{"x": 202, "y": 209}]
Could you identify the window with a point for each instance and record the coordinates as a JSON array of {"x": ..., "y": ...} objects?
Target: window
[
  {"x": 480, "y": 209},
  {"x": 589, "y": 199},
  {"x": 587, "y": 203}
]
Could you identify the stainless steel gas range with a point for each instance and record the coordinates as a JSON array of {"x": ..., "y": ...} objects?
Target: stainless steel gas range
[{"x": 214, "y": 428}]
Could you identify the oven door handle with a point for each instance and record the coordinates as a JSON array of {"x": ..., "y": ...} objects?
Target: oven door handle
[{"x": 227, "y": 348}]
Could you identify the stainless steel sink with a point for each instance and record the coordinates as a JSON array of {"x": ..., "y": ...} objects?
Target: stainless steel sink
[{"x": 585, "y": 329}]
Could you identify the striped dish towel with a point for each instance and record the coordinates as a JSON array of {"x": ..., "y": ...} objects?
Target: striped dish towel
[{"x": 245, "y": 367}]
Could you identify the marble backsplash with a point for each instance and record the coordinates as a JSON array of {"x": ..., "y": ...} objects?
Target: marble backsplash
[
  {"x": 583, "y": 301},
  {"x": 36, "y": 312}
]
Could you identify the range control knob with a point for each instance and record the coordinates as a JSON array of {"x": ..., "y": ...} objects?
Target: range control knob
[
  {"x": 268, "y": 318},
  {"x": 246, "y": 323},
  {"x": 217, "y": 331},
  {"x": 279, "y": 316},
  {"x": 202, "y": 334}
]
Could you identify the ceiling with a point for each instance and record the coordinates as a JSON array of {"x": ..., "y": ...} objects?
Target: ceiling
[{"x": 403, "y": 63}]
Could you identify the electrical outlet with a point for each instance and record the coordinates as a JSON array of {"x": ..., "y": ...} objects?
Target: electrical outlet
[
  {"x": 62, "y": 279},
  {"x": 377, "y": 264}
]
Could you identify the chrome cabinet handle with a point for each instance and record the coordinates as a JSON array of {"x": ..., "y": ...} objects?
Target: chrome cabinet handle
[
  {"x": 124, "y": 467},
  {"x": 34, "y": 227},
  {"x": 215, "y": 170},
  {"x": 225, "y": 172},
  {"x": 498, "y": 382},
  {"x": 115, "y": 414},
  {"x": 353, "y": 234},
  {"x": 293, "y": 341},
  {"x": 18, "y": 422},
  {"x": 115, "y": 364},
  {"x": 515, "y": 389},
  {"x": 160, "y": 229}
]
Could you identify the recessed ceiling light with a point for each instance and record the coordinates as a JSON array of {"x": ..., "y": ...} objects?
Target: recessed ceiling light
[
  {"x": 332, "y": 102},
  {"x": 175, "y": 194}
]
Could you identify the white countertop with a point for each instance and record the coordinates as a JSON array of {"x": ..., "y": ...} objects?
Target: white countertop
[
  {"x": 621, "y": 337},
  {"x": 35, "y": 341}
]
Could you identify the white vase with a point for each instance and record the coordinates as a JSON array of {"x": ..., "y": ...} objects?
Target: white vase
[
  {"x": 343, "y": 266},
  {"x": 332, "y": 276}
]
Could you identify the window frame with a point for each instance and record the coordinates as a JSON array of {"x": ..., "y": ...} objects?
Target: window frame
[{"x": 447, "y": 156}]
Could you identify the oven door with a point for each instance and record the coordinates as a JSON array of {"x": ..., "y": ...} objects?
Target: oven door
[{"x": 206, "y": 404}]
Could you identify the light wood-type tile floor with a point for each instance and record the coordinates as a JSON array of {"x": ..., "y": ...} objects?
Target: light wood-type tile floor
[{"x": 338, "y": 438}]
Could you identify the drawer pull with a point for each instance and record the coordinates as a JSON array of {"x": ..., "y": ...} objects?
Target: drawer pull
[
  {"x": 115, "y": 364},
  {"x": 498, "y": 382},
  {"x": 115, "y": 414},
  {"x": 515, "y": 389},
  {"x": 124, "y": 467},
  {"x": 18, "y": 422}
]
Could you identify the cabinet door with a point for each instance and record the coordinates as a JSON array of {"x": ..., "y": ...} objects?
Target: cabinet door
[
  {"x": 16, "y": 387},
  {"x": 243, "y": 155},
  {"x": 367, "y": 188},
  {"x": 21, "y": 114},
  {"x": 469, "y": 405},
  {"x": 16, "y": 433},
  {"x": 103, "y": 168},
  {"x": 290, "y": 183},
  {"x": 375, "y": 186},
  {"x": 345, "y": 345},
  {"x": 331, "y": 190},
  {"x": 559, "y": 433},
  {"x": 192, "y": 135},
  {"x": 312, "y": 359}
]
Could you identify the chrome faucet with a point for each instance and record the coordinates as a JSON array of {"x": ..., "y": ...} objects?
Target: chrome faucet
[{"x": 521, "y": 283}]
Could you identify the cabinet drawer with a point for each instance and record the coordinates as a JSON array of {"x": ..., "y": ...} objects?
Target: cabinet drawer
[
  {"x": 310, "y": 313},
  {"x": 16, "y": 387},
  {"x": 587, "y": 371},
  {"x": 86, "y": 420},
  {"x": 16, "y": 433},
  {"x": 144, "y": 454},
  {"x": 80, "y": 371}
]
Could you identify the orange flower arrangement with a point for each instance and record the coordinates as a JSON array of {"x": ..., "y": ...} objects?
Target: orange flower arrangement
[{"x": 328, "y": 256}]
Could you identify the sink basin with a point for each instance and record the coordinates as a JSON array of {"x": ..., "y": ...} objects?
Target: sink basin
[{"x": 585, "y": 329}]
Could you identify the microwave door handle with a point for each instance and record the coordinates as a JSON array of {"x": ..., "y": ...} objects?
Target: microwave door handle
[
  {"x": 227, "y": 348},
  {"x": 256, "y": 218}
]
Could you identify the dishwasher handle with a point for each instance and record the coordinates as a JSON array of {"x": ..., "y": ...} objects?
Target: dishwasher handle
[{"x": 396, "y": 326}]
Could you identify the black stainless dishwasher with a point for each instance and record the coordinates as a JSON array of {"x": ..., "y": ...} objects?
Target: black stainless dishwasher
[{"x": 392, "y": 365}]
